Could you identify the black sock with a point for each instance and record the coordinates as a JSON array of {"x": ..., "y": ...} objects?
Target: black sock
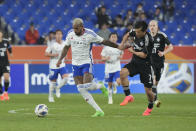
[
  {"x": 126, "y": 90},
  {"x": 1, "y": 89},
  {"x": 6, "y": 84},
  {"x": 154, "y": 90},
  {"x": 150, "y": 105}
]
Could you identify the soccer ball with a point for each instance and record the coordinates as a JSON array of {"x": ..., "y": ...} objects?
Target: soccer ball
[
  {"x": 41, "y": 110},
  {"x": 176, "y": 78}
]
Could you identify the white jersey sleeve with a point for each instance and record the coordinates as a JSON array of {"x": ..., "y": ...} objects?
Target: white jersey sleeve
[
  {"x": 67, "y": 40},
  {"x": 96, "y": 38},
  {"x": 103, "y": 52},
  {"x": 48, "y": 49}
]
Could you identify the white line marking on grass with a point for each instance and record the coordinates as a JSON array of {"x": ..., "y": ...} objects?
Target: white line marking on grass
[{"x": 15, "y": 111}]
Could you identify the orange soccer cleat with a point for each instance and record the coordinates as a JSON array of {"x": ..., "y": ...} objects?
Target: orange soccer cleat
[
  {"x": 127, "y": 100},
  {"x": 147, "y": 112},
  {"x": 2, "y": 97},
  {"x": 5, "y": 94}
]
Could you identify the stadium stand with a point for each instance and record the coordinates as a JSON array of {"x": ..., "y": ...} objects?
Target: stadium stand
[{"x": 52, "y": 14}]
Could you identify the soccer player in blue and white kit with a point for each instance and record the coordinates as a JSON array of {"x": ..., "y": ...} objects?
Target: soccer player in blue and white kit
[
  {"x": 111, "y": 57},
  {"x": 80, "y": 39},
  {"x": 53, "y": 51}
]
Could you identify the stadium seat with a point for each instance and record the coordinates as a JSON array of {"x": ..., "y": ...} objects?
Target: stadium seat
[{"x": 50, "y": 14}]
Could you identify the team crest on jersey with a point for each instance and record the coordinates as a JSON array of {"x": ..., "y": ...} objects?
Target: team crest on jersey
[
  {"x": 141, "y": 43},
  {"x": 158, "y": 39}
]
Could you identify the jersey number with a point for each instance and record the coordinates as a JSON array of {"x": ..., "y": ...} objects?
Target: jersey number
[
  {"x": 154, "y": 50},
  {"x": 2, "y": 54},
  {"x": 150, "y": 78}
]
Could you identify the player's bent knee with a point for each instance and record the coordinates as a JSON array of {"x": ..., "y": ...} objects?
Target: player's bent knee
[{"x": 123, "y": 73}]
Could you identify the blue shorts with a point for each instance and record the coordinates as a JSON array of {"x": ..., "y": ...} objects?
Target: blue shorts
[
  {"x": 81, "y": 69},
  {"x": 54, "y": 73},
  {"x": 112, "y": 76}
]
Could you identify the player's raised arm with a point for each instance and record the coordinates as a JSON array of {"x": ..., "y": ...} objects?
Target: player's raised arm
[
  {"x": 112, "y": 44},
  {"x": 125, "y": 38},
  {"x": 63, "y": 54}
]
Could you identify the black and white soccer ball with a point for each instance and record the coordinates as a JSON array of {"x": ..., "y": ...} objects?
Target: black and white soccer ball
[{"x": 41, "y": 110}]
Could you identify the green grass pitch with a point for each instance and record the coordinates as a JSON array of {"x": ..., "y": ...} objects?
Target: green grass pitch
[{"x": 72, "y": 113}]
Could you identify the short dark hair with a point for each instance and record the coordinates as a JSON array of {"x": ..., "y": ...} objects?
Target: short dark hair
[
  {"x": 51, "y": 32},
  {"x": 158, "y": 8},
  {"x": 141, "y": 24},
  {"x": 113, "y": 33},
  {"x": 59, "y": 31},
  {"x": 31, "y": 24}
]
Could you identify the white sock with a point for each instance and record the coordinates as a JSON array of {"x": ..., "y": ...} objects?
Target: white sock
[
  {"x": 52, "y": 86},
  {"x": 92, "y": 86},
  {"x": 114, "y": 84},
  {"x": 63, "y": 82},
  {"x": 110, "y": 93},
  {"x": 88, "y": 97}
]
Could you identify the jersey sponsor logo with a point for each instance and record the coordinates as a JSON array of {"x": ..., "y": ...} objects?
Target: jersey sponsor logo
[
  {"x": 141, "y": 43},
  {"x": 39, "y": 79},
  {"x": 137, "y": 47},
  {"x": 158, "y": 39},
  {"x": 43, "y": 79}
]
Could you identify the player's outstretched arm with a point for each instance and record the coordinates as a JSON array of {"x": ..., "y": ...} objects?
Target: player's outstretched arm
[
  {"x": 63, "y": 54},
  {"x": 125, "y": 38},
  {"x": 112, "y": 44}
]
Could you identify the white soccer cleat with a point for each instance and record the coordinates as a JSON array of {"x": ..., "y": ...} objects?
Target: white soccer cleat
[
  {"x": 114, "y": 89},
  {"x": 51, "y": 99},
  {"x": 157, "y": 103},
  {"x": 58, "y": 92}
]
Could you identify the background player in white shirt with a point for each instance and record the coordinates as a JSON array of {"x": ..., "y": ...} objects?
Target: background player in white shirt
[
  {"x": 80, "y": 39},
  {"x": 53, "y": 51},
  {"x": 50, "y": 38},
  {"x": 111, "y": 57}
]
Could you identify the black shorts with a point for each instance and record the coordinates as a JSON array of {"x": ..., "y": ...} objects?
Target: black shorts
[
  {"x": 4, "y": 69},
  {"x": 144, "y": 69},
  {"x": 158, "y": 69}
]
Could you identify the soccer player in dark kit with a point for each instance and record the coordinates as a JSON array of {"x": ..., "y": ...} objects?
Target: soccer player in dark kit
[
  {"x": 141, "y": 48},
  {"x": 160, "y": 41},
  {"x": 4, "y": 66}
]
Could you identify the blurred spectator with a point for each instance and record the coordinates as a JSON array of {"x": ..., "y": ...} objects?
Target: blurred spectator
[
  {"x": 158, "y": 15},
  {"x": 102, "y": 16},
  {"x": 118, "y": 21},
  {"x": 136, "y": 17},
  {"x": 140, "y": 9},
  {"x": 143, "y": 17},
  {"x": 129, "y": 17},
  {"x": 32, "y": 35},
  {"x": 49, "y": 38},
  {"x": 104, "y": 31},
  {"x": 168, "y": 9},
  {"x": 2, "y": 1},
  {"x": 128, "y": 27}
]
